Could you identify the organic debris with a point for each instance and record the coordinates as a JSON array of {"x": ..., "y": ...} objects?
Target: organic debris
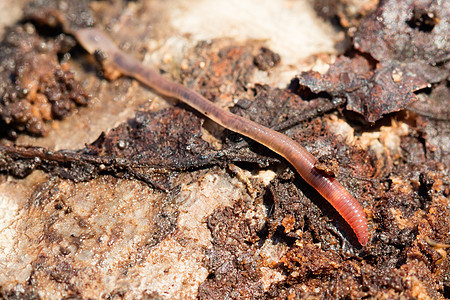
[
  {"x": 401, "y": 49},
  {"x": 160, "y": 212}
]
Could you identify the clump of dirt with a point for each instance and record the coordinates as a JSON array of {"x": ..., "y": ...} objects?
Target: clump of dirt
[
  {"x": 233, "y": 260},
  {"x": 35, "y": 86},
  {"x": 219, "y": 72}
]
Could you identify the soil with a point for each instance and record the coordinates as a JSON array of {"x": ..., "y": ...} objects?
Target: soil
[{"x": 109, "y": 190}]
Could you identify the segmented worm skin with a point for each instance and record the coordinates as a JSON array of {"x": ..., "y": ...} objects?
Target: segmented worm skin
[{"x": 347, "y": 206}]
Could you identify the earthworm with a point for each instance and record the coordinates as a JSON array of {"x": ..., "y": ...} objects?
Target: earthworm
[{"x": 347, "y": 206}]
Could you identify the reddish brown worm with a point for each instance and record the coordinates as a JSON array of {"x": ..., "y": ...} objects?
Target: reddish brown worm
[{"x": 94, "y": 40}]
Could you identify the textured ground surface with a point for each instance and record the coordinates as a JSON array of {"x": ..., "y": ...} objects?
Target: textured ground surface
[{"x": 147, "y": 199}]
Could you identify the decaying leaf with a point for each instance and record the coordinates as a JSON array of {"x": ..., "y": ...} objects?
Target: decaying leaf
[{"x": 401, "y": 48}]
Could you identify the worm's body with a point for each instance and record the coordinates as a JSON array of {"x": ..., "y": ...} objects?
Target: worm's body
[{"x": 347, "y": 206}]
